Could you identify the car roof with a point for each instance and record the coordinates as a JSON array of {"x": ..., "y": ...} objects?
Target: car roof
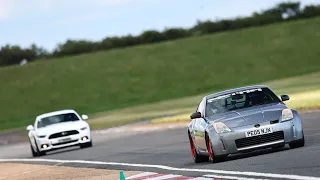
[
  {"x": 228, "y": 91},
  {"x": 55, "y": 113}
]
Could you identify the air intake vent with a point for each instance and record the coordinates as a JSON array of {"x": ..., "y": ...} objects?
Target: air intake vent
[
  {"x": 274, "y": 121},
  {"x": 62, "y": 134},
  {"x": 256, "y": 140}
]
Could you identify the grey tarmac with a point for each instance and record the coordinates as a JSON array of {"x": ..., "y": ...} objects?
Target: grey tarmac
[{"x": 171, "y": 148}]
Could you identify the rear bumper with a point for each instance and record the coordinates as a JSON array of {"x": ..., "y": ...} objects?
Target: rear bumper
[{"x": 234, "y": 142}]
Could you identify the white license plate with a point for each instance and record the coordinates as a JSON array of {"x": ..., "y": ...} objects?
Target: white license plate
[
  {"x": 257, "y": 132},
  {"x": 65, "y": 140}
]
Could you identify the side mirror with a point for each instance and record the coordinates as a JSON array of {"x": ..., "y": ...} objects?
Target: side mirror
[
  {"x": 30, "y": 127},
  {"x": 195, "y": 115},
  {"x": 285, "y": 97},
  {"x": 84, "y": 117}
]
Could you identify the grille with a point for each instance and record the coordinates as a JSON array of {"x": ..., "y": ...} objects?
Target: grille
[
  {"x": 63, "y": 134},
  {"x": 57, "y": 144},
  {"x": 256, "y": 140}
]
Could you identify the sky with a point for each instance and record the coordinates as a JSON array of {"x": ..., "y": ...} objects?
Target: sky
[{"x": 49, "y": 22}]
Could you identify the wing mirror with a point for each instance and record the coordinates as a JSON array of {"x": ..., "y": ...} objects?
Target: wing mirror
[
  {"x": 30, "y": 127},
  {"x": 285, "y": 97},
  {"x": 84, "y": 117},
  {"x": 195, "y": 115}
]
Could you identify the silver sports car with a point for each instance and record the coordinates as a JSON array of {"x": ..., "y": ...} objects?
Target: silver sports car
[{"x": 241, "y": 120}]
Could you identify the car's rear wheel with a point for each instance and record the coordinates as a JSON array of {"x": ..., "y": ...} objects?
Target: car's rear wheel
[
  {"x": 212, "y": 157},
  {"x": 195, "y": 156}
]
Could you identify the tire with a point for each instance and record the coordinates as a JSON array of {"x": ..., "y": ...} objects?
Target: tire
[
  {"x": 195, "y": 156},
  {"x": 36, "y": 153},
  {"x": 212, "y": 157},
  {"x": 42, "y": 153},
  {"x": 86, "y": 145},
  {"x": 278, "y": 147},
  {"x": 89, "y": 144},
  {"x": 298, "y": 144}
]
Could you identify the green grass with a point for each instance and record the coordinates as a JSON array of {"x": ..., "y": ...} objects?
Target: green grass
[
  {"x": 304, "y": 92},
  {"x": 100, "y": 83}
]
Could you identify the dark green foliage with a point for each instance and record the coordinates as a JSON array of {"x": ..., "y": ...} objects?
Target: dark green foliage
[{"x": 10, "y": 55}]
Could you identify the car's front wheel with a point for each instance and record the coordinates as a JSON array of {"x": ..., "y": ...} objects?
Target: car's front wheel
[
  {"x": 212, "y": 157},
  {"x": 34, "y": 154},
  {"x": 37, "y": 152},
  {"x": 297, "y": 144},
  {"x": 195, "y": 156},
  {"x": 86, "y": 145}
]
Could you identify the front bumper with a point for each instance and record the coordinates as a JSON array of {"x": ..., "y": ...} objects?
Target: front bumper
[
  {"x": 45, "y": 144},
  {"x": 236, "y": 141}
]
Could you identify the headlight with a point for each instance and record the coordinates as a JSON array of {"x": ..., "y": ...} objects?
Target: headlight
[
  {"x": 221, "y": 127},
  {"x": 286, "y": 115},
  {"x": 84, "y": 128}
]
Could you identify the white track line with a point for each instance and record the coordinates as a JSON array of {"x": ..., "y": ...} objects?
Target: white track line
[
  {"x": 230, "y": 177},
  {"x": 141, "y": 175},
  {"x": 164, "y": 177},
  {"x": 269, "y": 175}
]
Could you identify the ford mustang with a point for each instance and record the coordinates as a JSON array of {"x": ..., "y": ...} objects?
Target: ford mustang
[
  {"x": 59, "y": 129},
  {"x": 241, "y": 120}
]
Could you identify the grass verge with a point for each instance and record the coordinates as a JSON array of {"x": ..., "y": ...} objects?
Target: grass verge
[
  {"x": 19, "y": 171},
  {"x": 304, "y": 92},
  {"x": 130, "y": 77}
]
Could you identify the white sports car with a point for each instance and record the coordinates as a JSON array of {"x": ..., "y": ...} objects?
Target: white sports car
[{"x": 57, "y": 130}]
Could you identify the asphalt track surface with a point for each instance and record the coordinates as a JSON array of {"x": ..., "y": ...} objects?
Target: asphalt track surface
[{"x": 171, "y": 148}]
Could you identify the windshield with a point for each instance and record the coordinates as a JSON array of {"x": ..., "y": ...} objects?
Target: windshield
[
  {"x": 240, "y": 100},
  {"x": 57, "y": 119}
]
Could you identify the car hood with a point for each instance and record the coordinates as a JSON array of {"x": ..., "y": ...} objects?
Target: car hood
[
  {"x": 66, "y": 126},
  {"x": 249, "y": 116}
]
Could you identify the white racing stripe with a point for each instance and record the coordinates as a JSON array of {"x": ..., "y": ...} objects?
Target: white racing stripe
[
  {"x": 269, "y": 175},
  {"x": 231, "y": 177}
]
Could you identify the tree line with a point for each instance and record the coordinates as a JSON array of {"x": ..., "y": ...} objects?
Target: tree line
[{"x": 13, "y": 54}]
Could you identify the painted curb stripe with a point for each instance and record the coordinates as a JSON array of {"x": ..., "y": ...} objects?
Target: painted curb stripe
[
  {"x": 141, "y": 175},
  {"x": 156, "y": 176},
  {"x": 182, "y": 178},
  {"x": 169, "y": 176},
  {"x": 151, "y": 176},
  {"x": 230, "y": 177},
  {"x": 269, "y": 175}
]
